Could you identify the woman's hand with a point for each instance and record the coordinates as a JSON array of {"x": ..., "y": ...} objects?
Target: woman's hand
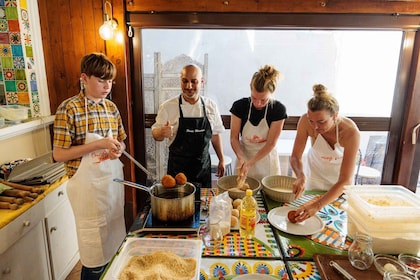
[
  {"x": 299, "y": 187},
  {"x": 307, "y": 210}
]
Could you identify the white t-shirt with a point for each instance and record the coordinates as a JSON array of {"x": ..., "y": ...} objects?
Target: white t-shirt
[{"x": 169, "y": 110}]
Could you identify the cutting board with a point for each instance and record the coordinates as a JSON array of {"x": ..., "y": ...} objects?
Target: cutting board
[{"x": 329, "y": 273}]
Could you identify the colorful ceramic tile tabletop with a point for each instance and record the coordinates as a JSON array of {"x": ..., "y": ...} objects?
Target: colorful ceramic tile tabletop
[
  {"x": 271, "y": 252},
  {"x": 332, "y": 239},
  {"x": 262, "y": 245},
  {"x": 230, "y": 268}
]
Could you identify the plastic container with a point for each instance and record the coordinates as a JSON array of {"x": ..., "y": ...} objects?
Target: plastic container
[
  {"x": 248, "y": 215},
  {"x": 389, "y": 214},
  {"x": 384, "y": 203},
  {"x": 14, "y": 112},
  {"x": 143, "y": 246}
]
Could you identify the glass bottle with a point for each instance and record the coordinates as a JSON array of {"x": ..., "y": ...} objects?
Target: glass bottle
[
  {"x": 360, "y": 251},
  {"x": 248, "y": 215},
  {"x": 211, "y": 234}
]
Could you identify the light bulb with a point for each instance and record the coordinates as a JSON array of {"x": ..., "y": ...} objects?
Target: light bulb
[{"x": 107, "y": 29}]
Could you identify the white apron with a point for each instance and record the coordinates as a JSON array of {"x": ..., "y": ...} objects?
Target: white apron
[
  {"x": 253, "y": 139},
  {"x": 98, "y": 205},
  {"x": 324, "y": 164}
]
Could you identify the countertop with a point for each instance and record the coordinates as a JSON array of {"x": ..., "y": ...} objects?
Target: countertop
[{"x": 7, "y": 216}]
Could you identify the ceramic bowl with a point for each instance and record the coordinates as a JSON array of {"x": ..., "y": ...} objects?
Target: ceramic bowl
[
  {"x": 229, "y": 184},
  {"x": 279, "y": 188}
]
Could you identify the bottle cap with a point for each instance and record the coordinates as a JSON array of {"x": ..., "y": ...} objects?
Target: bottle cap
[{"x": 249, "y": 192}]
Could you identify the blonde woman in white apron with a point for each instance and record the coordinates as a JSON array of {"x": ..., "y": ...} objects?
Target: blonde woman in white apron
[
  {"x": 332, "y": 157},
  {"x": 256, "y": 124},
  {"x": 88, "y": 137}
]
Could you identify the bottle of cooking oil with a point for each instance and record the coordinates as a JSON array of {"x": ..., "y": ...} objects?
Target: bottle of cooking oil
[{"x": 248, "y": 215}]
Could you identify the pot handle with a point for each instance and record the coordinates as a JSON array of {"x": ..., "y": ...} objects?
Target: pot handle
[{"x": 132, "y": 184}]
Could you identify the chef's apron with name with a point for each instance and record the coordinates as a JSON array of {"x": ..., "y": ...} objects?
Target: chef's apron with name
[
  {"x": 189, "y": 152},
  {"x": 98, "y": 204},
  {"x": 253, "y": 140},
  {"x": 324, "y": 163}
]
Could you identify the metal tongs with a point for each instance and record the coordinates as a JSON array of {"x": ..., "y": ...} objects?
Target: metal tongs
[
  {"x": 341, "y": 270},
  {"x": 148, "y": 173}
]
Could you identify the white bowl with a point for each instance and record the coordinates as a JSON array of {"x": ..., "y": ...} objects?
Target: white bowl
[{"x": 279, "y": 188}]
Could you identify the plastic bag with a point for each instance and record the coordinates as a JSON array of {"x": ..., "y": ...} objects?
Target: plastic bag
[{"x": 221, "y": 211}]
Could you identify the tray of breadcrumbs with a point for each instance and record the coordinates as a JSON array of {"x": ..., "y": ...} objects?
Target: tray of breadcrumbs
[{"x": 155, "y": 258}]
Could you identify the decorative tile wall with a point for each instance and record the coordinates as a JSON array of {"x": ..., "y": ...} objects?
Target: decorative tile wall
[{"x": 17, "y": 77}]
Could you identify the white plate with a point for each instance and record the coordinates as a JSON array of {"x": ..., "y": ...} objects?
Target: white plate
[
  {"x": 278, "y": 218},
  {"x": 256, "y": 222},
  {"x": 254, "y": 277}
]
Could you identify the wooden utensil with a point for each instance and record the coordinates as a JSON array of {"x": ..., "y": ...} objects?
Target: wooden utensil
[
  {"x": 31, "y": 189},
  {"x": 8, "y": 205},
  {"x": 10, "y": 199}
]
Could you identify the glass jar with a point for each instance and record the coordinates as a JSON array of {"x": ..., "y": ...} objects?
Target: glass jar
[
  {"x": 211, "y": 234},
  {"x": 360, "y": 252}
]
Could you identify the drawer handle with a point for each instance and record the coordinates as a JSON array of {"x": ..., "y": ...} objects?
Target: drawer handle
[
  {"x": 60, "y": 193},
  {"x": 7, "y": 270},
  {"x": 26, "y": 223},
  {"x": 53, "y": 229}
]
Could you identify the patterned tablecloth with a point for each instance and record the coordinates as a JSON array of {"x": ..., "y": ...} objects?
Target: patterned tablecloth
[
  {"x": 229, "y": 268},
  {"x": 271, "y": 251},
  {"x": 332, "y": 239}
]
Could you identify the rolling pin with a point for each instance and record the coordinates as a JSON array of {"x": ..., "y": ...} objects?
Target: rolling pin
[
  {"x": 10, "y": 199},
  {"x": 16, "y": 193},
  {"x": 8, "y": 205},
  {"x": 23, "y": 187}
]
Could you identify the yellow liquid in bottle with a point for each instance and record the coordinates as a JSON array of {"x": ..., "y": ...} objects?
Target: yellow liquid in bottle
[{"x": 248, "y": 216}]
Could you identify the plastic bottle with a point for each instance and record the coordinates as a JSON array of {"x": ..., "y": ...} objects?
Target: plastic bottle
[{"x": 248, "y": 215}]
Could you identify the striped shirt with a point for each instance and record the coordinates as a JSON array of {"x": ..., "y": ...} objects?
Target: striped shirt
[{"x": 70, "y": 124}]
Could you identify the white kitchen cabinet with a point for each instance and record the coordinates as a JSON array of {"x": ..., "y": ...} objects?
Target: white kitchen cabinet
[
  {"x": 61, "y": 233},
  {"x": 41, "y": 243},
  {"x": 27, "y": 259}
]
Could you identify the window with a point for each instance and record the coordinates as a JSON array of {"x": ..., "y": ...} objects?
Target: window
[{"x": 358, "y": 67}]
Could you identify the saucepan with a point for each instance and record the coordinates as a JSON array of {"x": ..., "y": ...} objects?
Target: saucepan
[{"x": 168, "y": 204}]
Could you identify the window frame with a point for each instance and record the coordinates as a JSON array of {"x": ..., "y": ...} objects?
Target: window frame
[{"x": 406, "y": 23}]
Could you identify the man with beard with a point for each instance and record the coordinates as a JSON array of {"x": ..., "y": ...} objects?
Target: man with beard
[{"x": 189, "y": 122}]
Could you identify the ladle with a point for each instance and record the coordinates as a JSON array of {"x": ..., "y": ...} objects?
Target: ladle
[{"x": 138, "y": 164}]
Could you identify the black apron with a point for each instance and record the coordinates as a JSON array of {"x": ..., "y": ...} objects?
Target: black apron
[{"x": 189, "y": 152}]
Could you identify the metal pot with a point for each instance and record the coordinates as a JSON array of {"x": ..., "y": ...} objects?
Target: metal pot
[{"x": 169, "y": 204}]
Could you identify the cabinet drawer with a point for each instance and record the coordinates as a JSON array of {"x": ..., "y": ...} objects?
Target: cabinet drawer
[
  {"x": 55, "y": 198},
  {"x": 20, "y": 226},
  {"x": 27, "y": 258}
]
